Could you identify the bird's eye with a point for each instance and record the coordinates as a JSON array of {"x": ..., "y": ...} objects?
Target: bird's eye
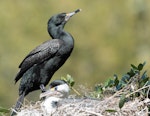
[
  {"x": 60, "y": 19},
  {"x": 57, "y": 24},
  {"x": 55, "y": 103},
  {"x": 55, "y": 88}
]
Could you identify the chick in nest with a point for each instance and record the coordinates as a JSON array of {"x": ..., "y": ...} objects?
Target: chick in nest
[{"x": 58, "y": 90}]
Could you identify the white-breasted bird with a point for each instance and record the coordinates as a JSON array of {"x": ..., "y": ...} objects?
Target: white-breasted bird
[{"x": 59, "y": 89}]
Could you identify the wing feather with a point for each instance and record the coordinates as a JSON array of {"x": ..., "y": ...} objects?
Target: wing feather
[{"x": 40, "y": 54}]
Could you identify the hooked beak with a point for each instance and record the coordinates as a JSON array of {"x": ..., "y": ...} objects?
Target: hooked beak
[{"x": 68, "y": 15}]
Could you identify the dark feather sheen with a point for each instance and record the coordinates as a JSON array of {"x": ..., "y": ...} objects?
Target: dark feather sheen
[{"x": 41, "y": 63}]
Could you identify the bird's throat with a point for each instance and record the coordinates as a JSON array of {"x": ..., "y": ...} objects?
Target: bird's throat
[{"x": 60, "y": 33}]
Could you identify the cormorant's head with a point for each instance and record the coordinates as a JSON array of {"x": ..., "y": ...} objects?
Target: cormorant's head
[
  {"x": 59, "y": 20},
  {"x": 62, "y": 18},
  {"x": 58, "y": 88}
]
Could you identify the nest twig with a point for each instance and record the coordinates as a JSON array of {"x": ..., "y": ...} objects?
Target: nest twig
[{"x": 89, "y": 107}]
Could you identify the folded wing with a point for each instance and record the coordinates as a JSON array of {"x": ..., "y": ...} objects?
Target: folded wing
[{"x": 40, "y": 54}]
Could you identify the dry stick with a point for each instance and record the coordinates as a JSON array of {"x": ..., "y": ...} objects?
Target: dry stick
[
  {"x": 144, "y": 87},
  {"x": 91, "y": 112},
  {"x": 148, "y": 86},
  {"x": 75, "y": 91},
  {"x": 148, "y": 90},
  {"x": 117, "y": 93}
]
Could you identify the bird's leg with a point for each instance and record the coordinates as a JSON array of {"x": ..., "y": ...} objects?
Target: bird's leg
[{"x": 42, "y": 87}]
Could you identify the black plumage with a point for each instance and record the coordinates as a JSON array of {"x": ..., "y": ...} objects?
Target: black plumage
[{"x": 39, "y": 65}]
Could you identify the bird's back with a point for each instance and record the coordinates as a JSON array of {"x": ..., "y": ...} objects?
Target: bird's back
[{"x": 39, "y": 55}]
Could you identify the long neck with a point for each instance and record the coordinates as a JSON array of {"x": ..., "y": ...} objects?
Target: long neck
[
  {"x": 59, "y": 33},
  {"x": 55, "y": 31}
]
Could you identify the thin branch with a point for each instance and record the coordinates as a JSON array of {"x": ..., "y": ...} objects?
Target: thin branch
[
  {"x": 144, "y": 87},
  {"x": 76, "y": 91},
  {"x": 91, "y": 112}
]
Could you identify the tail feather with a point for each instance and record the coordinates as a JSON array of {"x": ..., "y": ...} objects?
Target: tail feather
[{"x": 18, "y": 104}]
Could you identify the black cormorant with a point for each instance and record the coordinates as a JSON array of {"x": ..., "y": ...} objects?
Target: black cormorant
[{"x": 40, "y": 64}]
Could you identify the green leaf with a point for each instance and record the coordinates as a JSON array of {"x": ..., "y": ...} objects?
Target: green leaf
[
  {"x": 119, "y": 86},
  {"x": 134, "y": 67},
  {"x": 72, "y": 83},
  {"x": 144, "y": 78},
  {"x": 70, "y": 80},
  {"x": 140, "y": 66},
  {"x": 110, "y": 110},
  {"x": 132, "y": 72},
  {"x": 148, "y": 83},
  {"x": 3, "y": 110},
  {"x": 144, "y": 75},
  {"x": 116, "y": 80},
  {"x": 109, "y": 83},
  {"x": 106, "y": 83},
  {"x": 64, "y": 79},
  {"x": 122, "y": 101},
  {"x": 143, "y": 81},
  {"x": 99, "y": 88},
  {"x": 125, "y": 78}
]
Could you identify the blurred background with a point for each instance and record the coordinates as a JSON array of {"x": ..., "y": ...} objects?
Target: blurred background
[{"x": 109, "y": 36}]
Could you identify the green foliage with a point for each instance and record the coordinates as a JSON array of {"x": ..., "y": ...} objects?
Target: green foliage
[
  {"x": 110, "y": 110},
  {"x": 122, "y": 101},
  {"x": 70, "y": 81},
  {"x": 132, "y": 84},
  {"x": 135, "y": 70},
  {"x": 112, "y": 82},
  {"x": 3, "y": 111}
]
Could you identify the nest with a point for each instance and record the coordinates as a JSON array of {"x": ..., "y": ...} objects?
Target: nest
[
  {"x": 108, "y": 105},
  {"x": 88, "y": 107},
  {"x": 132, "y": 99}
]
